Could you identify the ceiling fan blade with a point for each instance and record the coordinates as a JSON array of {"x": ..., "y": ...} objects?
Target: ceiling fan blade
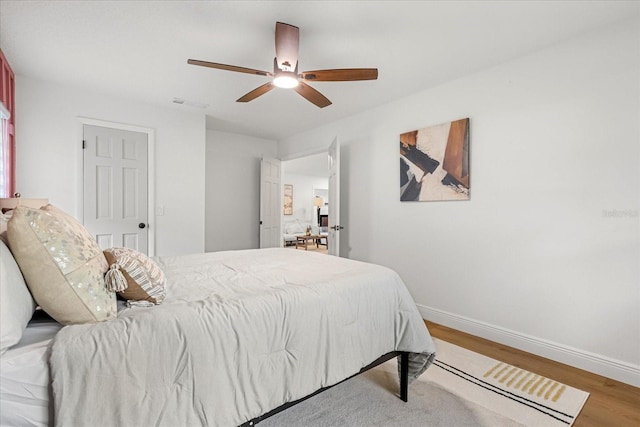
[
  {"x": 261, "y": 90},
  {"x": 312, "y": 95},
  {"x": 228, "y": 67},
  {"x": 341, "y": 75},
  {"x": 287, "y": 43}
]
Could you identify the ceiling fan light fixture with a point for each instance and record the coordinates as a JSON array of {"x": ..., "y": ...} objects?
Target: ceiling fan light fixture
[
  {"x": 285, "y": 70},
  {"x": 286, "y": 80}
]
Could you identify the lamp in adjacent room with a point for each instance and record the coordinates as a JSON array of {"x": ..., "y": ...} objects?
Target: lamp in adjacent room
[{"x": 318, "y": 202}]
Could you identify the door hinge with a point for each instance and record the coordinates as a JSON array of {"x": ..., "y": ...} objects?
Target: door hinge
[{"x": 84, "y": 144}]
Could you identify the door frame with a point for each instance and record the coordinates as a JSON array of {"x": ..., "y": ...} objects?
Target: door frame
[
  {"x": 333, "y": 242},
  {"x": 295, "y": 156},
  {"x": 81, "y": 122},
  {"x": 308, "y": 153}
]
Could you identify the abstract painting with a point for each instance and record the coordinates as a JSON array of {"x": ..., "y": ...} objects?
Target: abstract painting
[
  {"x": 434, "y": 163},
  {"x": 288, "y": 199}
]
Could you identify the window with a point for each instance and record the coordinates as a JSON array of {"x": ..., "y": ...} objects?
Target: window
[
  {"x": 5, "y": 153},
  {"x": 7, "y": 135}
]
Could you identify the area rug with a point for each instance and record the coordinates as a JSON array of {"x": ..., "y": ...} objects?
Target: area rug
[{"x": 461, "y": 388}]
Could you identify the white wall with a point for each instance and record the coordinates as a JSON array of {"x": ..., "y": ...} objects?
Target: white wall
[
  {"x": 233, "y": 190},
  {"x": 303, "y": 186},
  {"x": 49, "y": 155},
  {"x": 545, "y": 255}
]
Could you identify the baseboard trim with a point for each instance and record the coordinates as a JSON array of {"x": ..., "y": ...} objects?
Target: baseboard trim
[{"x": 598, "y": 364}]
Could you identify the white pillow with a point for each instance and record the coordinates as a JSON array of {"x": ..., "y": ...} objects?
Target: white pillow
[{"x": 16, "y": 303}]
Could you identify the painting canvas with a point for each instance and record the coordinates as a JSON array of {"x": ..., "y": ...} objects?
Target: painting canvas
[
  {"x": 434, "y": 163},
  {"x": 288, "y": 199}
]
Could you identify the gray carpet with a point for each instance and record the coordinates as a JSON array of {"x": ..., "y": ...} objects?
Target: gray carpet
[{"x": 371, "y": 399}]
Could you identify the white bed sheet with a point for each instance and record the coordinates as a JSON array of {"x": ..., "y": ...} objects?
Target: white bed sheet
[
  {"x": 240, "y": 333},
  {"x": 24, "y": 377}
]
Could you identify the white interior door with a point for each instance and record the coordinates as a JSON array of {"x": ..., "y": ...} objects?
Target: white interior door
[
  {"x": 115, "y": 168},
  {"x": 334, "y": 198},
  {"x": 270, "y": 203}
]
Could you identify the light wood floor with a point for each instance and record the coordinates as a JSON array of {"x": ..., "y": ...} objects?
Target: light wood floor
[
  {"x": 611, "y": 403},
  {"x": 311, "y": 248}
]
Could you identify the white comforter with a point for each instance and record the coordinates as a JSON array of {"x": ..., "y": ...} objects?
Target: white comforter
[{"x": 240, "y": 333}]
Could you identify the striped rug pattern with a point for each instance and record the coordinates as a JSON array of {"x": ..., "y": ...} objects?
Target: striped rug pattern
[
  {"x": 524, "y": 396},
  {"x": 519, "y": 379}
]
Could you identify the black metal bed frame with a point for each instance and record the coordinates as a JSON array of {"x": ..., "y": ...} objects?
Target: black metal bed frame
[{"x": 404, "y": 385}]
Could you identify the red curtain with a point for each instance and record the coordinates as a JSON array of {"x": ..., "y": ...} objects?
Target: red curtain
[{"x": 7, "y": 151}]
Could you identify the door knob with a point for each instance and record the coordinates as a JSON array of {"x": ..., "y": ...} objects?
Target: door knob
[{"x": 142, "y": 225}]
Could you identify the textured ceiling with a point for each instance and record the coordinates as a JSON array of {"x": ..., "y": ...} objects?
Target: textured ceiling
[{"x": 139, "y": 50}]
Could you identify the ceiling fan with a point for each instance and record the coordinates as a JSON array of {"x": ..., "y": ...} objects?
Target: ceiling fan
[{"x": 285, "y": 70}]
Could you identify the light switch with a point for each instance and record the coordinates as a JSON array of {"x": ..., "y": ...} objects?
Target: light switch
[{"x": 160, "y": 210}]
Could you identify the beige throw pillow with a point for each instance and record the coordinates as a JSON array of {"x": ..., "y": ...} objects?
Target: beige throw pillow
[
  {"x": 135, "y": 276},
  {"x": 62, "y": 264}
]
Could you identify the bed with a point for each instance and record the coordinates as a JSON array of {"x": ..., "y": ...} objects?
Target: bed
[
  {"x": 24, "y": 375},
  {"x": 239, "y": 335}
]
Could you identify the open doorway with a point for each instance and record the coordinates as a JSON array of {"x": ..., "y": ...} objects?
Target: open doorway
[{"x": 305, "y": 187}]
